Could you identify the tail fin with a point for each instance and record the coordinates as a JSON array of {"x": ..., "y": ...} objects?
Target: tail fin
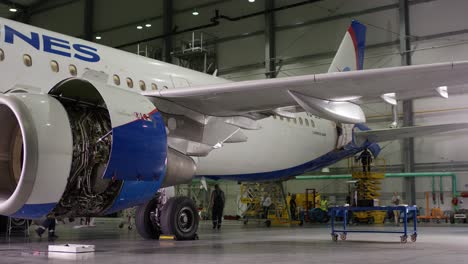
[{"x": 350, "y": 54}]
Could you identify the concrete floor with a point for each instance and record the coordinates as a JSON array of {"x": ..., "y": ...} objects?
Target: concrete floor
[{"x": 239, "y": 244}]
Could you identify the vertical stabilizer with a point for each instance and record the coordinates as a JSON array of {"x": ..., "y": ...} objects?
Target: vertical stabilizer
[{"x": 350, "y": 54}]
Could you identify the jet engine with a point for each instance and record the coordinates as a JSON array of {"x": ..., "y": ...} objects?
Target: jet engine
[{"x": 84, "y": 149}]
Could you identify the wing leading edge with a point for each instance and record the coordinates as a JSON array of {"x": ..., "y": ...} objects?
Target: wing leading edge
[{"x": 354, "y": 87}]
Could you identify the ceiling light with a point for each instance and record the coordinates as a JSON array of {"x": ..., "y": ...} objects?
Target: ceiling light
[
  {"x": 14, "y": 10},
  {"x": 139, "y": 27},
  {"x": 251, "y": 1},
  {"x": 148, "y": 25},
  {"x": 98, "y": 37},
  {"x": 195, "y": 12}
]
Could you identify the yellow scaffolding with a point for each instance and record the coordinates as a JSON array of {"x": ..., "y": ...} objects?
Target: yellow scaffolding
[
  {"x": 252, "y": 196},
  {"x": 368, "y": 187}
]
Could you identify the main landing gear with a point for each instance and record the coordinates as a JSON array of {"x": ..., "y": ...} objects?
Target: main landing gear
[{"x": 177, "y": 217}]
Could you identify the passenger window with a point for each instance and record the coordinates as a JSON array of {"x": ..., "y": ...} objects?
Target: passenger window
[
  {"x": 27, "y": 60},
  {"x": 142, "y": 85},
  {"x": 72, "y": 69},
  {"x": 54, "y": 66},
  {"x": 116, "y": 79},
  {"x": 312, "y": 123},
  {"x": 274, "y": 116},
  {"x": 2, "y": 55},
  {"x": 154, "y": 87},
  {"x": 294, "y": 120},
  {"x": 300, "y": 121},
  {"x": 306, "y": 121},
  {"x": 129, "y": 83},
  {"x": 165, "y": 87},
  {"x": 281, "y": 118}
]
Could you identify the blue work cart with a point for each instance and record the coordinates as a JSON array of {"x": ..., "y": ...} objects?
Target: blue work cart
[{"x": 344, "y": 210}]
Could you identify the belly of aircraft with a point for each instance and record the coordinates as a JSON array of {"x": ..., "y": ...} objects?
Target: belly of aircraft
[{"x": 279, "y": 146}]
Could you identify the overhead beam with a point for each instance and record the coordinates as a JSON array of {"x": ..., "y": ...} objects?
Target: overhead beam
[
  {"x": 37, "y": 9},
  {"x": 270, "y": 40},
  {"x": 295, "y": 25},
  {"x": 22, "y": 15},
  {"x": 174, "y": 12},
  {"x": 408, "y": 115},
  {"x": 215, "y": 21},
  {"x": 168, "y": 10},
  {"x": 329, "y": 54},
  {"x": 88, "y": 20},
  {"x": 37, "y": 4},
  {"x": 13, "y": 4}
]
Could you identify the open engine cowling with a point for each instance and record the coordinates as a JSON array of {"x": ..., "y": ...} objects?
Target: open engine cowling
[{"x": 84, "y": 149}]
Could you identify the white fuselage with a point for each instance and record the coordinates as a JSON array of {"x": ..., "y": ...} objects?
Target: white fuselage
[{"x": 280, "y": 144}]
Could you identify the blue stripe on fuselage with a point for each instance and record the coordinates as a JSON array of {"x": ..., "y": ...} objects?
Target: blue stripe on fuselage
[{"x": 323, "y": 161}]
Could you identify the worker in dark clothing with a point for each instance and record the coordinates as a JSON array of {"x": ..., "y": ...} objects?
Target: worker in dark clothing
[
  {"x": 366, "y": 160},
  {"x": 49, "y": 224},
  {"x": 217, "y": 203},
  {"x": 292, "y": 207}
]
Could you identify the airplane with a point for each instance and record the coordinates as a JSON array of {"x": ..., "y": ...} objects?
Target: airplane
[{"x": 88, "y": 130}]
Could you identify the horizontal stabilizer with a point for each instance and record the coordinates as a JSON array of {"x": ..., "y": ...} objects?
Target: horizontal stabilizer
[{"x": 387, "y": 134}]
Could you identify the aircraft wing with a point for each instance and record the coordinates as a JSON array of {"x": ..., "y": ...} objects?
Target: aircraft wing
[
  {"x": 335, "y": 96},
  {"x": 379, "y": 135}
]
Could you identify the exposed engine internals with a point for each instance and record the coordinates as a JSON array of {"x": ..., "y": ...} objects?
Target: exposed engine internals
[{"x": 87, "y": 193}]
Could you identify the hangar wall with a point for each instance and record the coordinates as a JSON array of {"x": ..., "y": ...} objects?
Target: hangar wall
[{"x": 306, "y": 38}]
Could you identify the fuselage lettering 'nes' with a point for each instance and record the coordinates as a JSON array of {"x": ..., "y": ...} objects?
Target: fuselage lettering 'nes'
[
  {"x": 52, "y": 45},
  {"x": 89, "y": 130}
]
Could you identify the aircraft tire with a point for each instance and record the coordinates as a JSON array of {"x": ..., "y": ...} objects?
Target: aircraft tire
[
  {"x": 143, "y": 222},
  {"x": 179, "y": 217}
]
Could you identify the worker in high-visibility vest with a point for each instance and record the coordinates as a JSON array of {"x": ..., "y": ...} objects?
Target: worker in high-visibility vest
[{"x": 324, "y": 204}]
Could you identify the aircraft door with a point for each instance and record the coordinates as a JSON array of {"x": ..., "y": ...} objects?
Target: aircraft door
[{"x": 345, "y": 134}]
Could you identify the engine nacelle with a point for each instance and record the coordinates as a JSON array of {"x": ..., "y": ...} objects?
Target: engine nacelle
[
  {"x": 85, "y": 149},
  {"x": 36, "y": 148}
]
